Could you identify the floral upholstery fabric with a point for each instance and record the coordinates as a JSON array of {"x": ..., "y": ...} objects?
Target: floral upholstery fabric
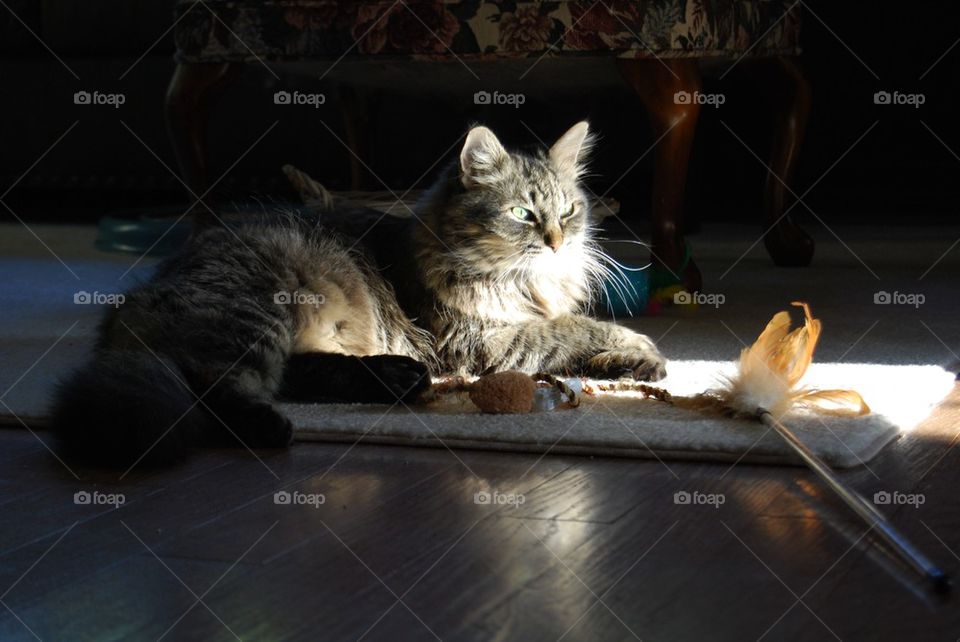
[{"x": 244, "y": 30}]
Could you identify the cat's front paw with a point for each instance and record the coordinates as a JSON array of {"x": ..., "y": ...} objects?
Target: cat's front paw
[
  {"x": 395, "y": 378},
  {"x": 639, "y": 363}
]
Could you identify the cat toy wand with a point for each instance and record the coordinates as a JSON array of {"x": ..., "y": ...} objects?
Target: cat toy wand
[
  {"x": 764, "y": 388},
  {"x": 914, "y": 558}
]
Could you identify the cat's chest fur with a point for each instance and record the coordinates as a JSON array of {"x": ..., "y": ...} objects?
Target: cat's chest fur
[{"x": 550, "y": 287}]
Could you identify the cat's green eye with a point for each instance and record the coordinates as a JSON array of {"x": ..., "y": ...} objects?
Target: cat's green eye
[
  {"x": 570, "y": 211},
  {"x": 522, "y": 214}
]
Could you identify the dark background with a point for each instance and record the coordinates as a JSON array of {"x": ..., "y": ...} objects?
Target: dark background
[{"x": 899, "y": 173}]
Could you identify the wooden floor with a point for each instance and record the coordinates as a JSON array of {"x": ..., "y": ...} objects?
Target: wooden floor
[{"x": 400, "y": 550}]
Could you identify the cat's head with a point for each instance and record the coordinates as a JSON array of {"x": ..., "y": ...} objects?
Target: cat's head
[{"x": 512, "y": 209}]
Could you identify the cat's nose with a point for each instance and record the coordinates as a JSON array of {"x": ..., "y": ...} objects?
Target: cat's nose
[{"x": 553, "y": 240}]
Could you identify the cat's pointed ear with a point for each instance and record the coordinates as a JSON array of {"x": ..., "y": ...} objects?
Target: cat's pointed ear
[
  {"x": 569, "y": 154},
  {"x": 482, "y": 157}
]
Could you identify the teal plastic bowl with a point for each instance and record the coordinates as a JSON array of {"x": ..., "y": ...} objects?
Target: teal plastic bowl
[
  {"x": 153, "y": 236},
  {"x": 620, "y": 301},
  {"x": 163, "y": 231}
]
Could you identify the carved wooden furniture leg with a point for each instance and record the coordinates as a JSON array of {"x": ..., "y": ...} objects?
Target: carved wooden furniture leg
[
  {"x": 356, "y": 106},
  {"x": 787, "y": 243},
  {"x": 192, "y": 89},
  {"x": 674, "y": 122}
]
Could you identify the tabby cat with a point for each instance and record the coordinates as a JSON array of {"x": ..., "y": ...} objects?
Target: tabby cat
[{"x": 494, "y": 272}]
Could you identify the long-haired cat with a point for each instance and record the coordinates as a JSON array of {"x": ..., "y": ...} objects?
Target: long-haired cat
[{"x": 494, "y": 272}]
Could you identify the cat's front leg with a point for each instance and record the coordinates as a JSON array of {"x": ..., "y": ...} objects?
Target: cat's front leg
[
  {"x": 631, "y": 354},
  {"x": 574, "y": 344}
]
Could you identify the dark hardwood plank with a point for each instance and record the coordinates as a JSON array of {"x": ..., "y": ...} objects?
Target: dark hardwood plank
[
  {"x": 404, "y": 522},
  {"x": 136, "y": 600}
]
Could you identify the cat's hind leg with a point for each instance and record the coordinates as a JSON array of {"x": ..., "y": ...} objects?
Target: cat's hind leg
[
  {"x": 243, "y": 413},
  {"x": 323, "y": 377}
]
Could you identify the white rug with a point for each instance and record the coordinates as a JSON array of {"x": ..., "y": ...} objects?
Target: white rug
[
  {"x": 44, "y": 334},
  {"x": 624, "y": 424}
]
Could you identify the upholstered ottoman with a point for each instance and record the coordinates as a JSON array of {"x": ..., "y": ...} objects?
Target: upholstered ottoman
[{"x": 655, "y": 45}]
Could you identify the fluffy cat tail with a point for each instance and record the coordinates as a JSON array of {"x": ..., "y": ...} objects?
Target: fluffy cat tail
[{"x": 127, "y": 407}]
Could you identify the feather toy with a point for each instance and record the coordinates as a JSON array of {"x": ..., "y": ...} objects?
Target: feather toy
[
  {"x": 770, "y": 370},
  {"x": 766, "y": 387}
]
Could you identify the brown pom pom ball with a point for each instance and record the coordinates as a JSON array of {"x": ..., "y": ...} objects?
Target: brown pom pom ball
[{"x": 504, "y": 392}]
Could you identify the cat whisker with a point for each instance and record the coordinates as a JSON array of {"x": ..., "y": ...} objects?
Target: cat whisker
[
  {"x": 610, "y": 273},
  {"x": 606, "y": 240},
  {"x": 613, "y": 261}
]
